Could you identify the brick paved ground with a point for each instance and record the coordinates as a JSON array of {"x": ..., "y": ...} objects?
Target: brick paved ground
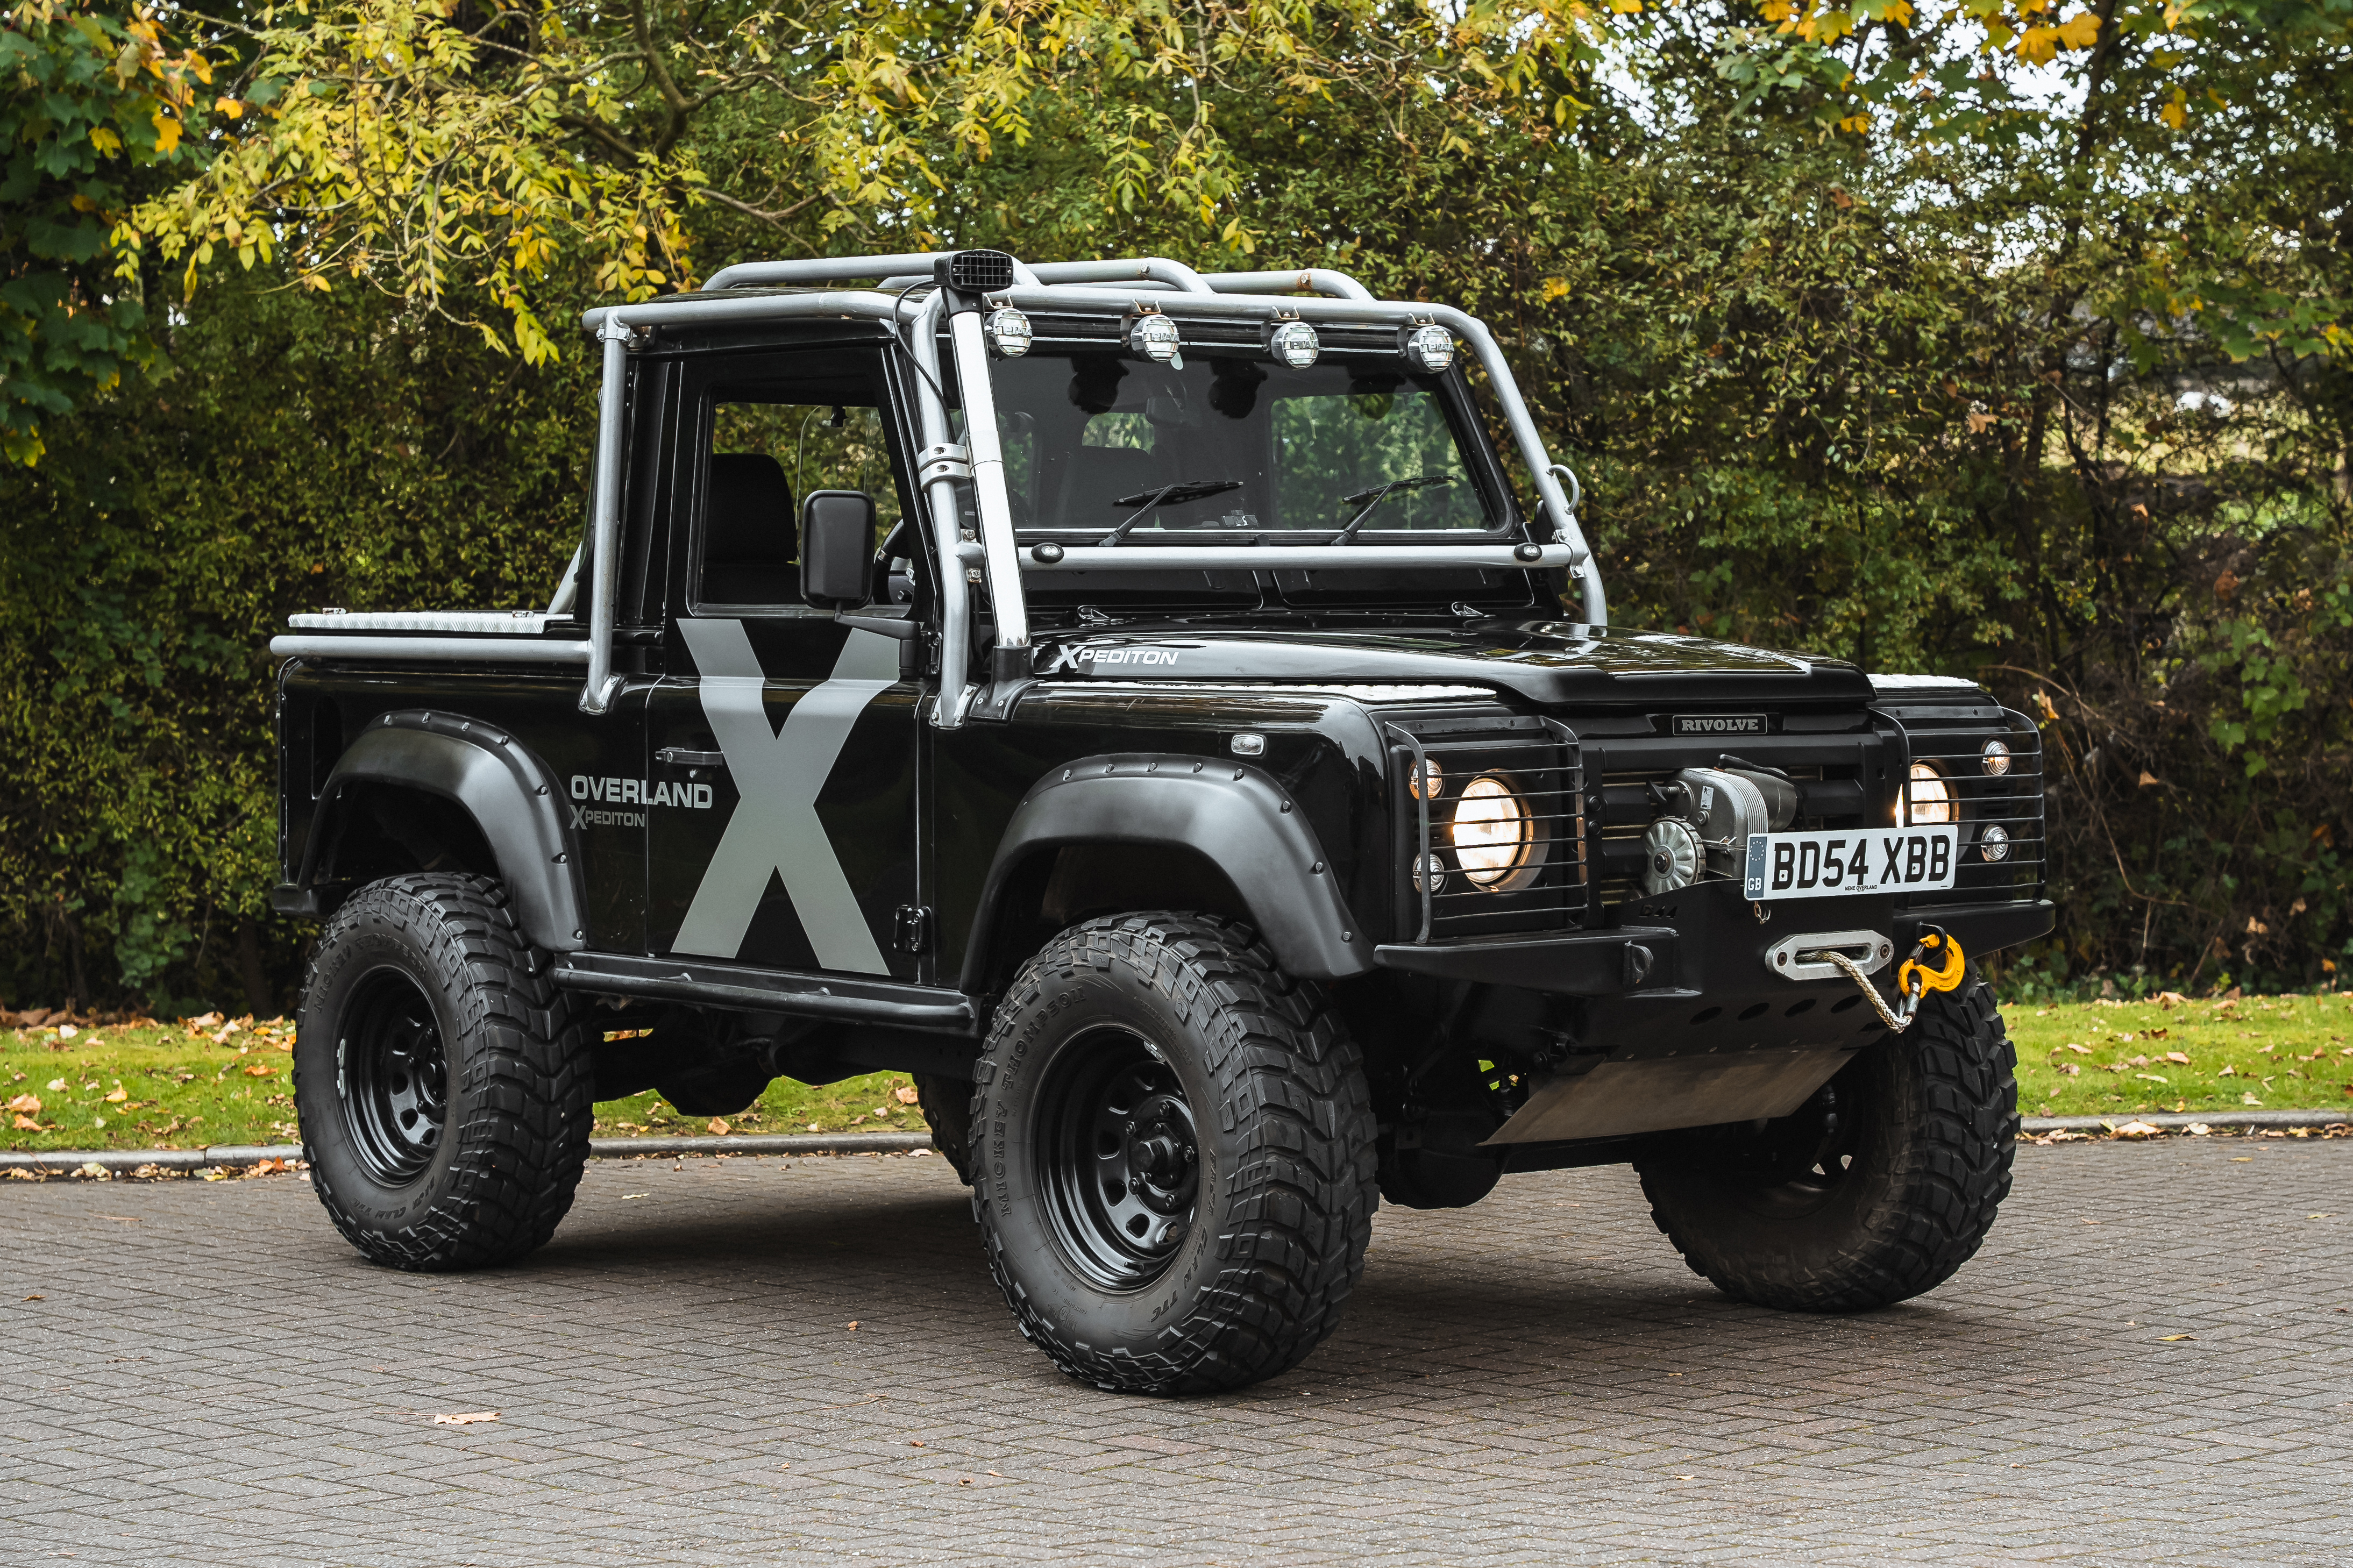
[{"x": 214, "y": 1378}]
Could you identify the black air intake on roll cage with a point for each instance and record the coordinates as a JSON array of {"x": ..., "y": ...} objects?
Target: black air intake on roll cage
[{"x": 977, "y": 272}]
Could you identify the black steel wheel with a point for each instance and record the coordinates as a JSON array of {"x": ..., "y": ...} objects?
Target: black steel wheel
[
  {"x": 1877, "y": 1189},
  {"x": 1119, "y": 1161},
  {"x": 393, "y": 1077},
  {"x": 443, "y": 1086},
  {"x": 1172, "y": 1156}
]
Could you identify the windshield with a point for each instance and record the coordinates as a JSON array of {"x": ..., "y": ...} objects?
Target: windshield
[{"x": 1098, "y": 441}]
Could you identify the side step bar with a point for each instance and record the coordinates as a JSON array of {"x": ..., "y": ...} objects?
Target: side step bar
[{"x": 742, "y": 988}]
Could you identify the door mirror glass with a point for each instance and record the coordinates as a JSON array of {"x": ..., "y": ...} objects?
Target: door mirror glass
[{"x": 838, "y": 548}]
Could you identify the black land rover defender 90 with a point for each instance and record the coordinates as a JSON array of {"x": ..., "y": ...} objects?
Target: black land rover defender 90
[{"x": 1148, "y": 708}]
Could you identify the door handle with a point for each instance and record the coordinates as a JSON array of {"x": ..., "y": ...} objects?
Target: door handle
[{"x": 678, "y": 756}]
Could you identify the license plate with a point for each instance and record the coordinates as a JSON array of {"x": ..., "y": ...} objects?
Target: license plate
[{"x": 1832, "y": 865}]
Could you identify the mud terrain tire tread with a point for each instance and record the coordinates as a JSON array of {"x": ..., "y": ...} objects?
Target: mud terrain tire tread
[
  {"x": 522, "y": 1083},
  {"x": 946, "y": 1105},
  {"x": 1951, "y": 1082},
  {"x": 1293, "y": 1229}
]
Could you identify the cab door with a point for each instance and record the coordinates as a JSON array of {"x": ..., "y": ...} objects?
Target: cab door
[{"x": 783, "y": 748}]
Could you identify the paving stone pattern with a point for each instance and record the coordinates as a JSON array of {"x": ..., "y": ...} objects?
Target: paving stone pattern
[{"x": 212, "y": 1377}]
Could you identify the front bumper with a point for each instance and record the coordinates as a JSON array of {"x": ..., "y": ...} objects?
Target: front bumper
[{"x": 1700, "y": 940}]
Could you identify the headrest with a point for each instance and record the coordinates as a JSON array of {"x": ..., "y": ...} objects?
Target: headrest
[{"x": 749, "y": 521}]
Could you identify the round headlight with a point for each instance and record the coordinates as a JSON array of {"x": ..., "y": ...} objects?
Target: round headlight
[
  {"x": 1429, "y": 349},
  {"x": 1491, "y": 831},
  {"x": 1996, "y": 758},
  {"x": 1994, "y": 842},
  {"x": 1928, "y": 799},
  {"x": 1294, "y": 343},
  {"x": 1431, "y": 868},
  {"x": 1154, "y": 337},
  {"x": 1008, "y": 331},
  {"x": 1425, "y": 780}
]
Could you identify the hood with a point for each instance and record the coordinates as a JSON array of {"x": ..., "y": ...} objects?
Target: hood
[{"x": 1544, "y": 661}]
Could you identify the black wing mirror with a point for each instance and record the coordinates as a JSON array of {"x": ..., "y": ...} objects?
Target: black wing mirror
[{"x": 838, "y": 548}]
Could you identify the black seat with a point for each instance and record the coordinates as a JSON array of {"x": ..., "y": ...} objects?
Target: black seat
[{"x": 750, "y": 538}]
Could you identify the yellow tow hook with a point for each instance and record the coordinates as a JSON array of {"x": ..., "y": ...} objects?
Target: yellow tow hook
[{"x": 1914, "y": 979}]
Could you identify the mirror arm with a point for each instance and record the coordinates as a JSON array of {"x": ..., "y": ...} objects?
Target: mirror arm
[{"x": 904, "y": 629}]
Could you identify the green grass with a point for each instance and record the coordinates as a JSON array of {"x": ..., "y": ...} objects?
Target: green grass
[
  {"x": 2279, "y": 1053},
  {"x": 185, "y": 1088}
]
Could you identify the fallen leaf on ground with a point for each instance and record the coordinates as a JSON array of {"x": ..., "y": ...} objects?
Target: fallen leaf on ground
[
  {"x": 27, "y": 1124},
  {"x": 36, "y": 1297},
  {"x": 627, "y": 1197},
  {"x": 2320, "y": 1217},
  {"x": 2198, "y": 1130},
  {"x": 259, "y": 1070},
  {"x": 2173, "y": 1339},
  {"x": 2249, "y": 1099},
  {"x": 26, "y": 1104},
  {"x": 2169, "y": 999},
  {"x": 465, "y": 1420},
  {"x": 853, "y": 1325},
  {"x": 118, "y": 1097},
  {"x": 2079, "y": 1050},
  {"x": 718, "y": 1128},
  {"x": 2140, "y": 1128},
  {"x": 905, "y": 1094},
  {"x": 2176, "y": 1059}
]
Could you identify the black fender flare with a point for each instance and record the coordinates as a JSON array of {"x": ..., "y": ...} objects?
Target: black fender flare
[
  {"x": 1238, "y": 817},
  {"x": 510, "y": 793}
]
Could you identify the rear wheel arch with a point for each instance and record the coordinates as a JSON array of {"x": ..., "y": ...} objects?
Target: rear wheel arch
[{"x": 449, "y": 794}]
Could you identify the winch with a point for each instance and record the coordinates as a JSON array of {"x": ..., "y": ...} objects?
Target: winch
[{"x": 1706, "y": 816}]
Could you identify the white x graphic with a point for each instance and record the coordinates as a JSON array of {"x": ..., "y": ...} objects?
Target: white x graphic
[{"x": 778, "y": 774}]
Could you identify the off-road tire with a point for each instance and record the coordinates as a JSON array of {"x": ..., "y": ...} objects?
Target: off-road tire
[
  {"x": 1933, "y": 1130},
  {"x": 517, "y": 1101},
  {"x": 946, "y": 1105},
  {"x": 1284, "y": 1189}
]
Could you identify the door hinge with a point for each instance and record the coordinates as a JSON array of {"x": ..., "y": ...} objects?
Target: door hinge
[{"x": 911, "y": 928}]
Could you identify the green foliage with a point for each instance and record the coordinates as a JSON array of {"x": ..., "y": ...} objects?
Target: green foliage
[
  {"x": 1996, "y": 341},
  {"x": 91, "y": 107}
]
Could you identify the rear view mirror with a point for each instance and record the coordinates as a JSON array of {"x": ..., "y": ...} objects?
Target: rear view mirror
[{"x": 838, "y": 548}]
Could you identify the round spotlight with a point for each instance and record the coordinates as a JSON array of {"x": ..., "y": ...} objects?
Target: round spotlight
[
  {"x": 1154, "y": 337},
  {"x": 1491, "y": 831},
  {"x": 1426, "y": 779},
  {"x": 1434, "y": 870},
  {"x": 1429, "y": 349},
  {"x": 1994, "y": 842},
  {"x": 1008, "y": 331},
  {"x": 1294, "y": 343},
  {"x": 1996, "y": 758},
  {"x": 1928, "y": 799}
]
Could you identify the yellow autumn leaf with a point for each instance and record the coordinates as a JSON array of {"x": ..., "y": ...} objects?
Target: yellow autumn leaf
[
  {"x": 230, "y": 107},
  {"x": 1555, "y": 287},
  {"x": 167, "y": 132},
  {"x": 2080, "y": 31}
]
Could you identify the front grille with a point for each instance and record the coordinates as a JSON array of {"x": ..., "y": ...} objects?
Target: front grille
[
  {"x": 1537, "y": 759},
  {"x": 1955, "y": 747}
]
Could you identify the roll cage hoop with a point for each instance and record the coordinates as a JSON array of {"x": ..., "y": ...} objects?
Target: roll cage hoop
[{"x": 911, "y": 294}]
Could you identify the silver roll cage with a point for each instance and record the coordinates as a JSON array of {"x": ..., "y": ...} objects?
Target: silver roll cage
[{"x": 909, "y": 304}]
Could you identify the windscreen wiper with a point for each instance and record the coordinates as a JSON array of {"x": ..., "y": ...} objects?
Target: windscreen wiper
[
  {"x": 1379, "y": 493},
  {"x": 1147, "y": 501}
]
